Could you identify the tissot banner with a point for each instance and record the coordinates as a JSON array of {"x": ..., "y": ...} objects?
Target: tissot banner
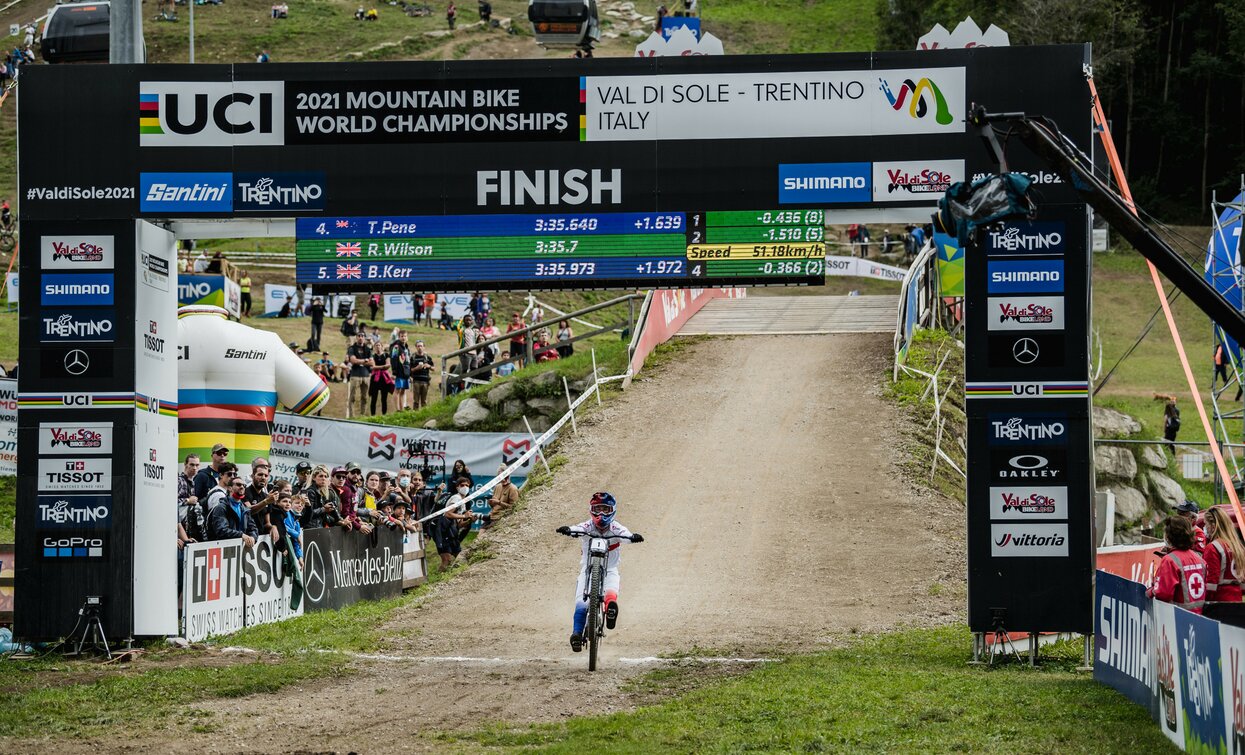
[
  {"x": 229, "y": 586},
  {"x": 340, "y": 567}
]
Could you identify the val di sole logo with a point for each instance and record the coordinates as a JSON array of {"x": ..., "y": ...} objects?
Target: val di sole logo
[{"x": 917, "y": 96}]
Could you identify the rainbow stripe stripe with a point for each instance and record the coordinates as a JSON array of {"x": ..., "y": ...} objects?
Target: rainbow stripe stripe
[
  {"x": 312, "y": 401},
  {"x": 149, "y": 114},
  {"x": 1030, "y": 391},
  {"x": 166, "y": 408},
  {"x": 583, "y": 100},
  {"x": 57, "y": 401}
]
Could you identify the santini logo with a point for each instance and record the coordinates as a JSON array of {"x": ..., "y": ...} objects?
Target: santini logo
[
  {"x": 186, "y": 192},
  {"x": 211, "y": 114}
]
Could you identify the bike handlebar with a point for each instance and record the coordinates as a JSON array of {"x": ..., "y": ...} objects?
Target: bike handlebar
[{"x": 581, "y": 533}]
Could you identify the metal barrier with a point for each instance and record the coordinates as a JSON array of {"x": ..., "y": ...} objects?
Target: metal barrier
[{"x": 527, "y": 356}]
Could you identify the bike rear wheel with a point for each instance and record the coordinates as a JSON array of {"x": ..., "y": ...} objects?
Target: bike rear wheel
[
  {"x": 594, "y": 617},
  {"x": 6, "y": 241}
]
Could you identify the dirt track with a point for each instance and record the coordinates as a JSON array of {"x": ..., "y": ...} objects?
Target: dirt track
[{"x": 762, "y": 473}]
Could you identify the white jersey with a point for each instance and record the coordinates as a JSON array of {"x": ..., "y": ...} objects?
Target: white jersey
[{"x": 613, "y": 558}]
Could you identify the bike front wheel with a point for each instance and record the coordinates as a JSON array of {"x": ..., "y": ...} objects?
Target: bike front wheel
[
  {"x": 594, "y": 617},
  {"x": 6, "y": 242}
]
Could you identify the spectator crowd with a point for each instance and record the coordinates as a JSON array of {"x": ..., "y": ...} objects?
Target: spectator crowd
[{"x": 216, "y": 501}]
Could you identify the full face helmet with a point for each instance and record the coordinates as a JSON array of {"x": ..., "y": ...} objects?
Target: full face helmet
[{"x": 602, "y": 507}]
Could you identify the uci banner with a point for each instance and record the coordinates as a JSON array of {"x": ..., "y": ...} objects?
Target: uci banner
[{"x": 331, "y": 442}]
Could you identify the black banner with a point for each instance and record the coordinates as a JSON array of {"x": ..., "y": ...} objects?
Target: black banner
[
  {"x": 340, "y": 567},
  {"x": 1031, "y": 478}
]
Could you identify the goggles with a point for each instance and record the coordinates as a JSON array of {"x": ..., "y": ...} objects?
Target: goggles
[{"x": 601, "y": 509}]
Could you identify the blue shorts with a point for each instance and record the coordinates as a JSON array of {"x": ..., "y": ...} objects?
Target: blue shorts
[{"x": 401, "y": 384}]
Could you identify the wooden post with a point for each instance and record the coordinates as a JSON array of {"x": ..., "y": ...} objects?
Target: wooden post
[{"x": 569, "y": 406}]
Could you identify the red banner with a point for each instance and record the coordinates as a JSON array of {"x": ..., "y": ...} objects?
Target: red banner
[
  {"x": 669, "y": 311},
  {"x": 1135, "y": 562}
]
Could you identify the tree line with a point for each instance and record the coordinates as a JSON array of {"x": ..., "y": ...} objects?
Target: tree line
[{"x": 1171, "y": 74}]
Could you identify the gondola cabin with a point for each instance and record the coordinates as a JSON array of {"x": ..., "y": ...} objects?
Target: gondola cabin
[
  {"x": 76, "y": 33},
  {"x": 564, "y": 23}
]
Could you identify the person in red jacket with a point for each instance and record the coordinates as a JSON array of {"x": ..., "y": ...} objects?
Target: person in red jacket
[
  {"x": 1224, "y": 556},
  {"x": 1189, "y": 510},
  {"x": 1181, "y": 577}
]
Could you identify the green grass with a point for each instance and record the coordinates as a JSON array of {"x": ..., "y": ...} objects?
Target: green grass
[
  {"x": 8, "y": 507},
  {"x": 908, "y": 691},
  {"x": 146, "y": 698},
  {"x": 765, "y": 27}
]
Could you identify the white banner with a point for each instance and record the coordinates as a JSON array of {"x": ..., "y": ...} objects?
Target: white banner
[
  {"x": 863, "y": 268},
  {"x": 229, "y": 586},
  {"x": 787, "y": 104},
  {"x": 332, "y": 442},
  {"x": 10, "y": 282},
  {"x": 399, "y": 307},
  {"x": 233, "y": 298},
  {"x": 8, "y": 428},
  {"x": 275, "y": 297}
]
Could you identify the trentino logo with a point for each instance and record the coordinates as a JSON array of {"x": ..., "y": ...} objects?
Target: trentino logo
[
  {"x": 186, "y": 192},
  {"x": 260, "y": 192},
  {"x": 211, "y": 114},
  {"x": 914, "y": 95},
  {"x": 77, "y": 325},
  {"x": 803, "y": 183}
]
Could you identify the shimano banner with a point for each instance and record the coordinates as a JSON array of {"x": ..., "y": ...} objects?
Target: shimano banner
[{"x": 340, "y": 567}]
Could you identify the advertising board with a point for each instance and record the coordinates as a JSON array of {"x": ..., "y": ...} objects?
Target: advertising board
[
  {"x": 229, "y": 586},
  {"x": 340, "y": 568}
]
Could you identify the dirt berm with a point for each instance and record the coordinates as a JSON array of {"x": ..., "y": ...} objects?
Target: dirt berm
[{"x": 763, "y": 473}]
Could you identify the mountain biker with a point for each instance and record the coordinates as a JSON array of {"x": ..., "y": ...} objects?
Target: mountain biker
[
  {"x": 6, "y": 214},
  {"x": 602, "y": 508}
]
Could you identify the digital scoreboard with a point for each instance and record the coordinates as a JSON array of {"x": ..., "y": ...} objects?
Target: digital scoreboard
[{"x": 583, "y": 250}]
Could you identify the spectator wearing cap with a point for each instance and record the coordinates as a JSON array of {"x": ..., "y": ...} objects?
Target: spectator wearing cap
[
  {"x": 1190, "y": 510},
  {"x": 518, "y": 343},
  {"x": 421, "y": 376},
  {"x": 220, "y": 491},
  {"x": 505, "y": 497},
  {"x": 229, "y": 518},
  {"x": 207, "y": 476},
  {"x": 359, "y": 355},
  {"x": 323, "y": 507},
  {"x": 423, "y": 503},
  {"x": 354, "y": 481},
  {"x": 349, "y": 509},
  {"x": 302, "y": 478}
]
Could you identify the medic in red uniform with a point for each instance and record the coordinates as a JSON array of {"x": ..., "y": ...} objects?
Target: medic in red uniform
[
  {"x": 1181, "y": 577},
  {"x": 1224, "y": 556}
]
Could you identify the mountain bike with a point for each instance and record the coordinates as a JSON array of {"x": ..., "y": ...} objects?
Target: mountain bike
[
  {"x": 8, "y": 234},
  {"x": 598, "y": 551}
]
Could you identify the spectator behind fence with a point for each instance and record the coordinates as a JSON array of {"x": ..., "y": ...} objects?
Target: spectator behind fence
[
  {"x": 505, "y": 497},
  {"x": 346, "y": 495},
  {"x": 400, "y": 366},
  {"x": 359, "y": 355},
  {"x": 1224, "y": 555},
  {"x": 189, "y": 513},
  {"x": 1181, "y": 576},
  {"x": 1189, "y": 511},
  {"x": 207, "y": 476},
  {"x": 229, "y": 517},
  {"x": 382, "y": 379},
  {"x": 302, "y": 478},
  {"x": 323, "y": 504},
  {"x": 565, "y": 334}
]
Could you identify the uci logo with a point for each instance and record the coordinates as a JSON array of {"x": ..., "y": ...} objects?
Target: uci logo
[{"x": 211, "y": 114}]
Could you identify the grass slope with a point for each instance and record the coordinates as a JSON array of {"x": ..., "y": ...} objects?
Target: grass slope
[{"x": 908, "y": 691}]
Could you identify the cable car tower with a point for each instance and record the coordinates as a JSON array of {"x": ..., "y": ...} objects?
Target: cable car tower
[
  {"x": 565, "y": 23},
  {"x": 1224, "y": 272}
]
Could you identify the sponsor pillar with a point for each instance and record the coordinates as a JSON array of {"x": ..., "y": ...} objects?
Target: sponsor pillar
[
  {"x": 93, "y": 501},
  {"x": 1030, "y": 476}
]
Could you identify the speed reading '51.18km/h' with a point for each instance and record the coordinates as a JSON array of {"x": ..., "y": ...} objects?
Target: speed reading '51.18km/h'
[{"x": 660, "y": 249}]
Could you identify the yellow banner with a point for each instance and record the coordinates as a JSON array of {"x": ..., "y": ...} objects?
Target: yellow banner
[{"x": 810, "y": 250}]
